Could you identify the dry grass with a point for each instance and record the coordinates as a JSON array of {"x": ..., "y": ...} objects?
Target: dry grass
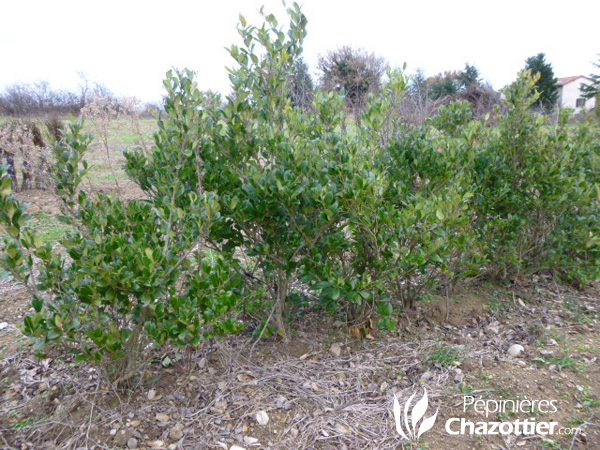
[{"x": 314, "y": 401}]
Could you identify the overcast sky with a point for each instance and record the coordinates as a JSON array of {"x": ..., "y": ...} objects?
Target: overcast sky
[{"x": 128, "y": 45}]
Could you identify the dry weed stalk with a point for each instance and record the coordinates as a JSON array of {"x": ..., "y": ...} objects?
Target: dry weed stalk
[
  {"x": 22, "y": 147},
  {"x": 134, "y": 112},
  {"x": 105, "y": 114}
]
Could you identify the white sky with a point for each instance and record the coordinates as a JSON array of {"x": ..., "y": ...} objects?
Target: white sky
[{"x": 128, "y": 45}]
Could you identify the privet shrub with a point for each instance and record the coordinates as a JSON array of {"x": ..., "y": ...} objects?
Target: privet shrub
[
  {"x": 252, "y": 202},
  {"x": 273, "y": 167},
  {"x": 128, "y": 275},
  {"x": 536, "y": 192},
  {"x": 404, "y": 215},
  {"x": 425, "y": 202}
]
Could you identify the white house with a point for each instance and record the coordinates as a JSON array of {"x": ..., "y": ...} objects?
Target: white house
[{"x": 570, "y": 95}]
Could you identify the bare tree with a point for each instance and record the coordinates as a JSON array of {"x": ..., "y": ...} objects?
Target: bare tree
[
  {"x": 301, "y": 85},
  {"x": 355, "y": 72}
]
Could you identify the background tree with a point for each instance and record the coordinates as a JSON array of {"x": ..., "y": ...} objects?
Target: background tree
[
  {"x": 593, "y": 90},
  {"x": 481, "y": 96},
  {"x": 417, "y": 105},
  {"x": 355, "y": 71},
  {"x": 40, "y": 99},
  {"x": 302, "y": 88},
  {"x": 426, "y": 95},
  {"x": 451, "y": 83},
  {"x": 468, "y": 76},
  {"x": 417, "y": 86},
  {"x": 443, "y": 85},
  {"x": 546, "y": 84}
]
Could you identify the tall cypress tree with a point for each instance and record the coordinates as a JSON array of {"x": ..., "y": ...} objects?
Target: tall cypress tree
[{"x": 546, "y": 85}]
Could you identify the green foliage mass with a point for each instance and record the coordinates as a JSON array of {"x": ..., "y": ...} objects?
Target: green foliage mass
[
  {"x": 257, "y": 204},
  {"x": 127, "y": 275}
]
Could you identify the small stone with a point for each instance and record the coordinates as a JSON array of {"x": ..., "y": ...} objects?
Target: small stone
[
  {"x": 515, "y": 350},
  {"x": 492, "y": 330},
  {"x": 176, "y": 434},
  {"x": 250, "y": 440},
  {"x": 122, "y": 437},
  {"x": 335, "y": 349},
  {"x": 426, "y": 376},
  {"x": 113, "y": 432},
  {"x": 262, "y": 418},
  {"x": 220, "y": 407},
  {"x": 132, "y": 443},
  {"x": 162, "y": 417},
  {"x": 236, "y": 447},
  {"x": 155, "y": 444},
  {"x": 280, "y": 402},
  {"x": 151, "y": 394},
  {"x": 294, "y": 431},
  {"x": 222, "y": 385},
  {"x": 342, "y": 429},
  {"x": 178, "y": 396},
  {"x": 3, "y": 325},
  {"x": 202, "y": 363}
]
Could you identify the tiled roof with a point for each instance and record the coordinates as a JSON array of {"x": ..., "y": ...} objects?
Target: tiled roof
[{"x": 567, "y": 80}]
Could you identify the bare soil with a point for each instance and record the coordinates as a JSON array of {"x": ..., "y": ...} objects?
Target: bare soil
[{"x": 326, "y": 390}]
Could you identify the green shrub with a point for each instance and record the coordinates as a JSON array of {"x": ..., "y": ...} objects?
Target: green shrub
[
  {"x": 406, "y": 220},
  {"x": 128, "y": 275},
  {"x": 252, "y": 201},
  {"x": 274, "y": 167},
  {"x": 536, "y": 189}
]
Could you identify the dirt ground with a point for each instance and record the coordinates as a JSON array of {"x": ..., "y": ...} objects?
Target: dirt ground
[{"x": 326, "y": 390}]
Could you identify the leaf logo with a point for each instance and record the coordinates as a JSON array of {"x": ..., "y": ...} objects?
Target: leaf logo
[{"x": 412, "y": 432}]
